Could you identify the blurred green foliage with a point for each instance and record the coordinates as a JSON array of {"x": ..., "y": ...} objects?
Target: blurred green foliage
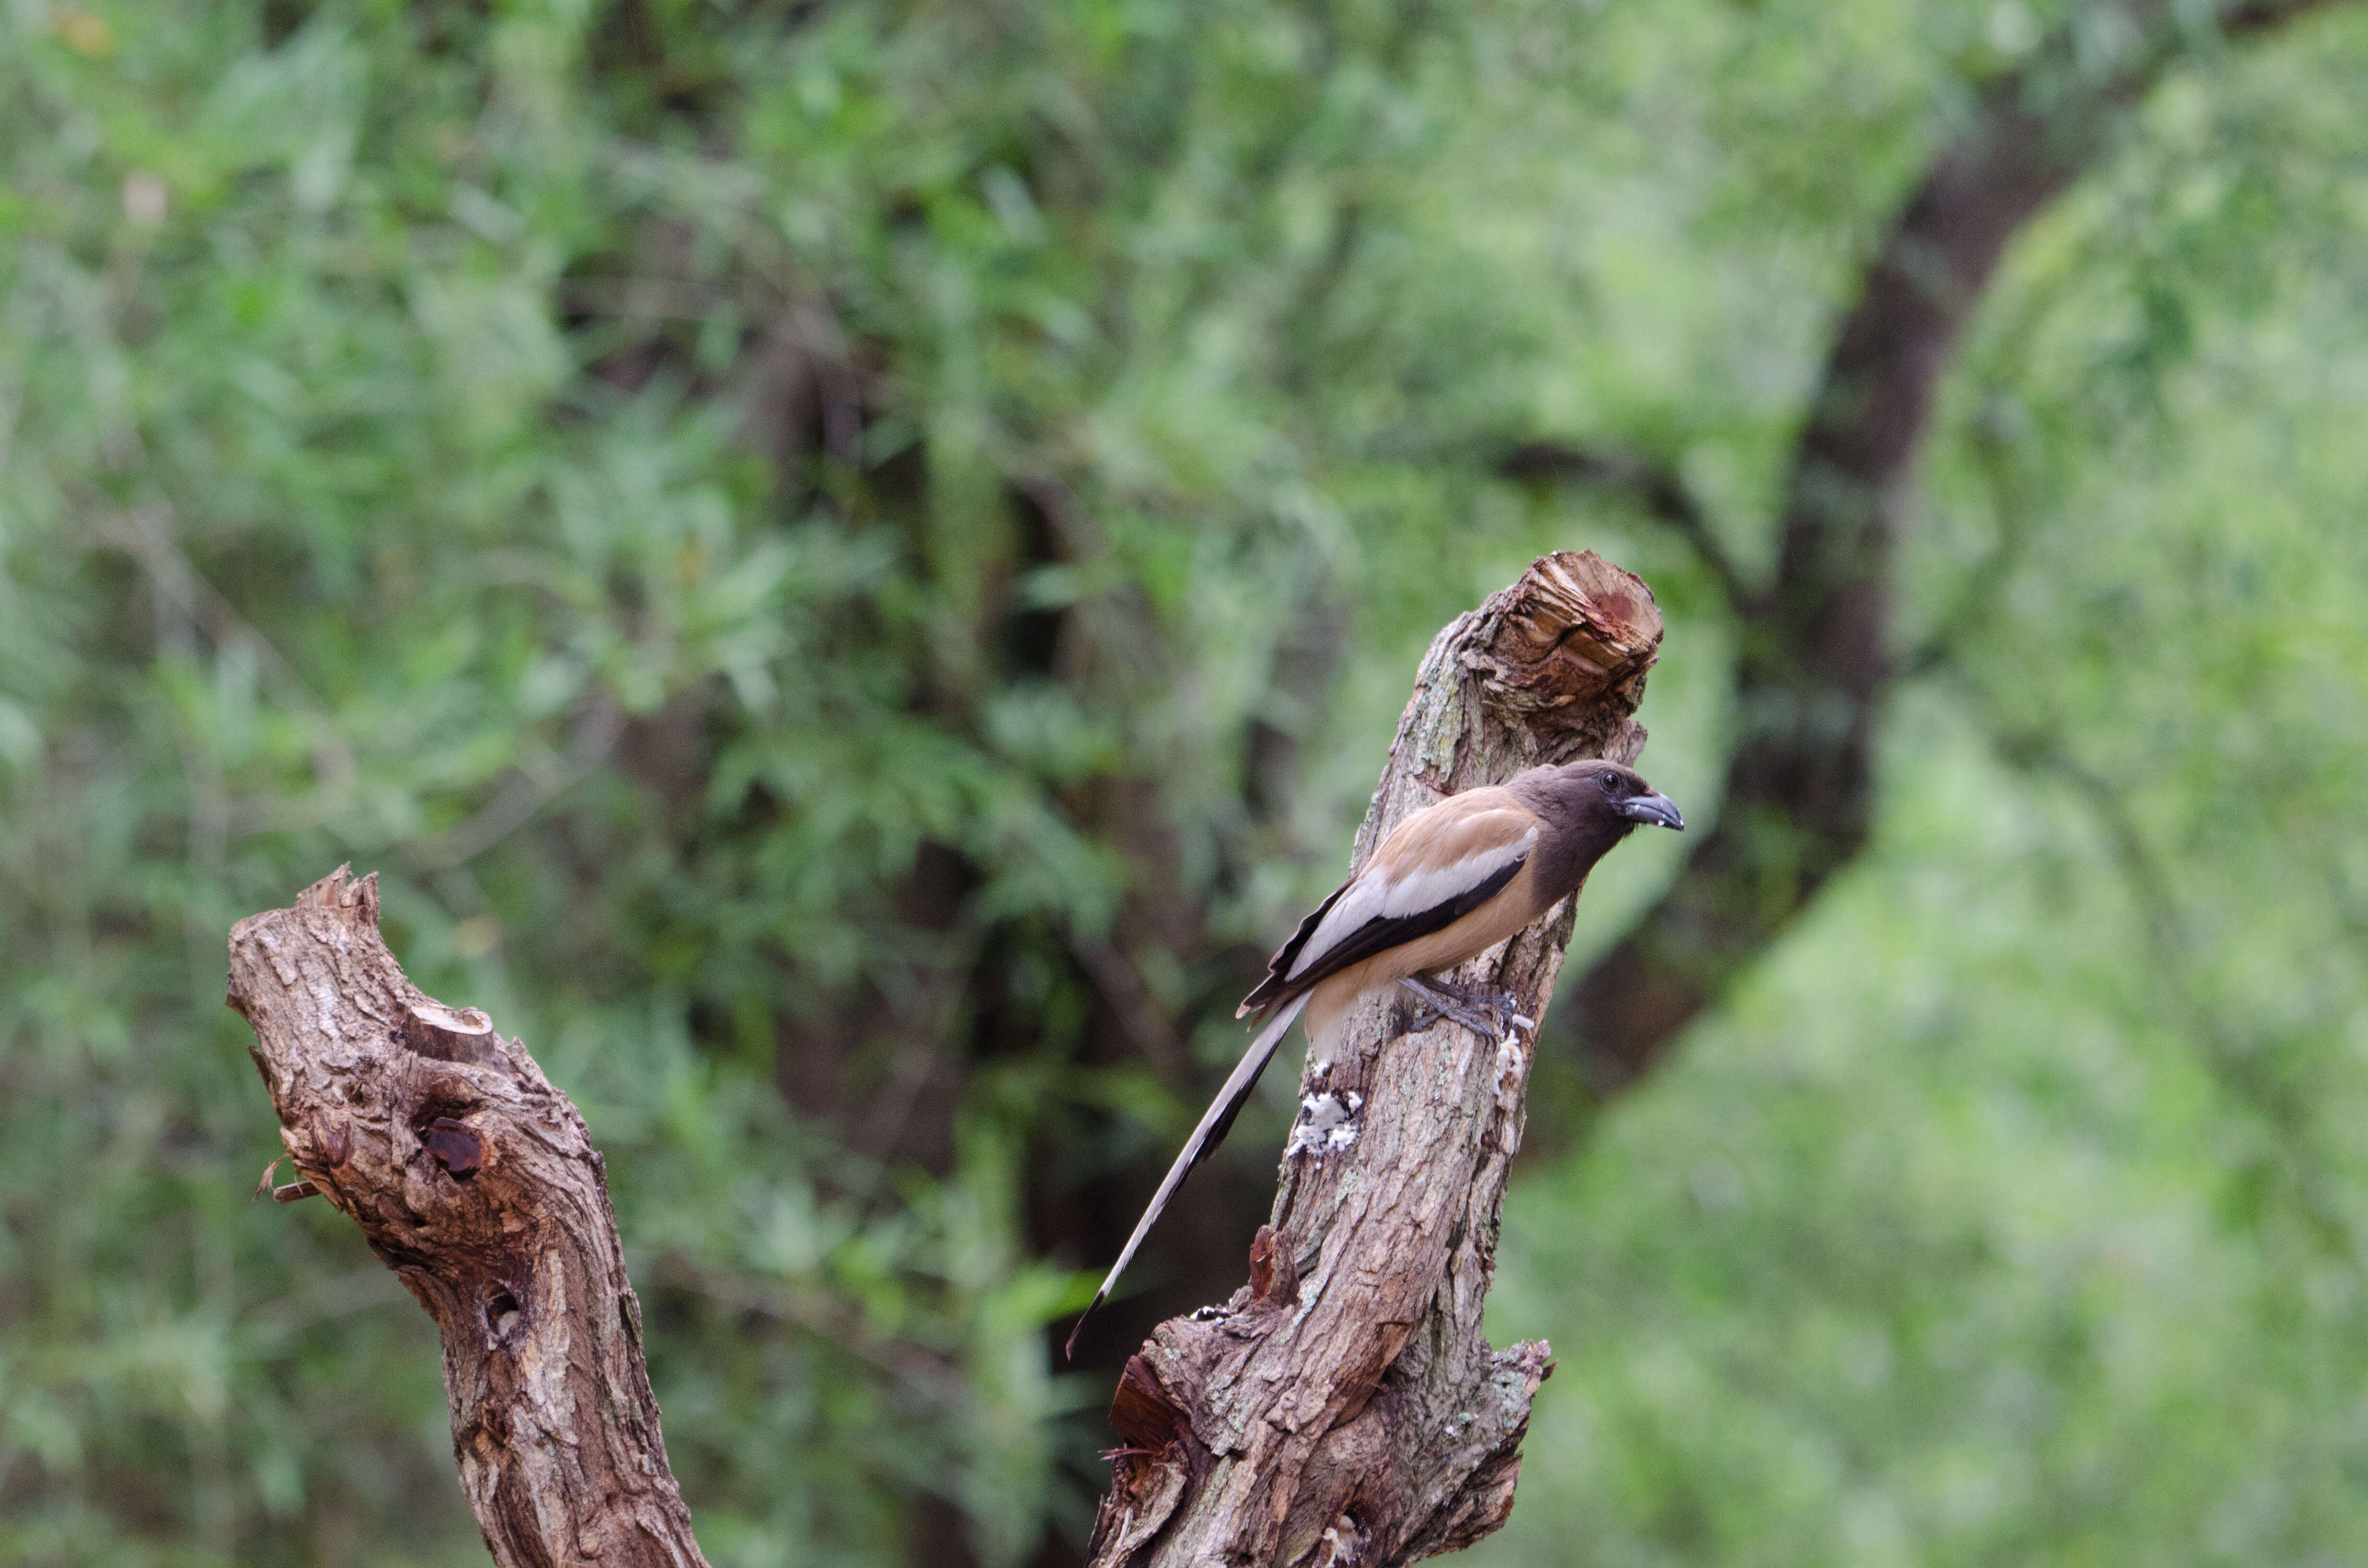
[
  {"x": 792, "y": 534},
  {"x": 2016, "y": 1209}
]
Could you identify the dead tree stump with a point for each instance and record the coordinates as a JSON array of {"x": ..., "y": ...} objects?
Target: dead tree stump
[
  {"x": 1343, "y": 1407},
  {"x": 475, "y": 1181}
]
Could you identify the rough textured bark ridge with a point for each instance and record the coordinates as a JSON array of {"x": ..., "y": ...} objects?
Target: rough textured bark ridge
[
  {"x": 1343, "y": 1407},
  {"x": 475, "y": 1181}
]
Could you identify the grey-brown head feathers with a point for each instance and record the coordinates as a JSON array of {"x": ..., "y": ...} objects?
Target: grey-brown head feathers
[{"x": 1607, "y": 792}]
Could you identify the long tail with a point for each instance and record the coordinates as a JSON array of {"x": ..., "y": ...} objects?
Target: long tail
[{"x": 1204, "y": 1141}]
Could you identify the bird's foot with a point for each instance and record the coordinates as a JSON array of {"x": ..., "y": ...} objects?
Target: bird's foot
[
  {"x": 1410, "y": 1018},
  {"x": 1494, "y": 1011}
]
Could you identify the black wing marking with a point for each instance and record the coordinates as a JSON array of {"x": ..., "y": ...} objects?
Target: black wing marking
[
  {"x": 1277, "y": 969},
  {"x": 1373, "y": 937}
]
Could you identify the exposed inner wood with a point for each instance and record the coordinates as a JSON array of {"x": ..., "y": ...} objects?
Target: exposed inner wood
[
  {"x": 1342, "y": 1407},
  {"x": 474, "y": 1180}
]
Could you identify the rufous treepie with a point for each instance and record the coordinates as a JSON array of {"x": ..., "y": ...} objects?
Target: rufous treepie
[{"x": 1447, "y": 884}]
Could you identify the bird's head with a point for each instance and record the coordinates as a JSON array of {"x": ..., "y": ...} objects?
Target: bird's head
[{"x": 1609, "y": 792}]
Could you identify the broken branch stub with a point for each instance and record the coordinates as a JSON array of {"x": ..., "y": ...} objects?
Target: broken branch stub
[
  {"x": 1343, "y": 1406},
  {"x": 476, "y": 1182}
]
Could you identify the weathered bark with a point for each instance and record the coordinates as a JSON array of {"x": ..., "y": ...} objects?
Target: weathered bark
[
  {"x": 1343, "y": 1406},
  {"x": 474, "y": 1180},
  {"x": 1816, "y": 657}
]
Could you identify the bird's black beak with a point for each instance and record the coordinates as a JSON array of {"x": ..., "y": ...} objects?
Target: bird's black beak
[{"x": 1654, "y": 808}]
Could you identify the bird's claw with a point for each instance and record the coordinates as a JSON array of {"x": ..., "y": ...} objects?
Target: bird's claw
[
  {"x": 1494, "y": 1012},
  {"x": 1412, "y": 1020}
]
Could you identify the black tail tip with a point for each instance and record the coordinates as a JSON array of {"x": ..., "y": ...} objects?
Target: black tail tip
[{"x": 1069, "y": 1351}]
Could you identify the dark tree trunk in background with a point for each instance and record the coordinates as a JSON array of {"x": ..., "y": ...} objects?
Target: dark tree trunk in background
[
  {"x": 1816, "y": 646},
  {"x": 1342, "y": 1407},
  {"x": 1814, "y": 663}
]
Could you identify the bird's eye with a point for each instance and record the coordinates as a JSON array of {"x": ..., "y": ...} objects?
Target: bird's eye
[{"x": 1611, "y": 783}]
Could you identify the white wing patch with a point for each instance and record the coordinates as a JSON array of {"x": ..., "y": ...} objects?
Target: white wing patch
[
  {"x": 1428, "y": 889},
  {"x": 1370, "y": 898}
]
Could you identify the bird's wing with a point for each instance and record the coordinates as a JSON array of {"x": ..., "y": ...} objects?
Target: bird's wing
[
  {"x": 1434, "y": 868},
  {"x": 1205, "y": 1137}
]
